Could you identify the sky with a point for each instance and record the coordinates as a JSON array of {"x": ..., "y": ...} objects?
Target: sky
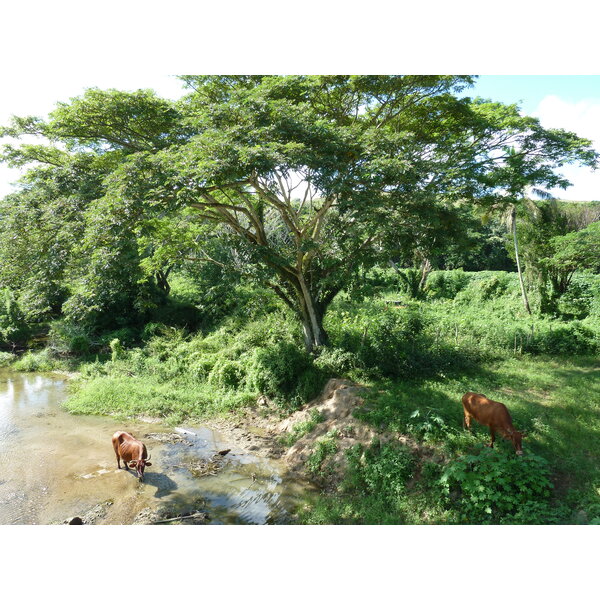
[{"x": 571, "y": 102}]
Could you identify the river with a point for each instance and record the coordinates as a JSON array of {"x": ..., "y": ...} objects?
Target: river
[{"x": 55, "y": 465}]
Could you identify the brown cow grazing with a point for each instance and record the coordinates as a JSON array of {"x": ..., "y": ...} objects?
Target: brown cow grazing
[
  {"x": 132, "y": 451},
  {"x": 493, "y": 414}
]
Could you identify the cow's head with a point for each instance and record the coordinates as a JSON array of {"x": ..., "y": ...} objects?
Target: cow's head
[
  {"x": 139, "y": 466},
  {"x": 516, "y": 438}
]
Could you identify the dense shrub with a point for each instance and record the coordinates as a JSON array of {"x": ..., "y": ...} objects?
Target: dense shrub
[
  {"x": 36, "y": 361},
  {"x": 577, "y": 301},
  {"x": 13, "y": 326},
  {"x": 380, "y": 470},
  {"x": 284, "y": 372},
  {"x": 494, "y": 287},
  {"x": 336, "y": 362},
  {"x": 486, "y": 286},
  {"x": 226, "y": 374},
  {"x": 494, "y": 487},
  {"x": 571, "y": 338},
  {"x": 127, "y": 336},
  {"x": 176, "y": 313},
  {"x": 388, "y": 341},
  {"x": 446, "y": 284},
  {"x": 410, "y": 283},
  {"x": 6, "y": 358},
  {"x": 69, "y": 338}
]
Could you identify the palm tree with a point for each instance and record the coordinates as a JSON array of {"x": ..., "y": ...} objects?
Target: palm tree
[{"x": 508, "y": 214}]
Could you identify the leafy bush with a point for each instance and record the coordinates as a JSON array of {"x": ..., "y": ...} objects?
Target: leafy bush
[
  {"x": 576, "y": 302},
  {"x": 126, "y": 336},
  {"x": 65, "y": 337},
  {"x": 382, "y": 340},
  {"x": 446, "y": 284},
  {"x": 336, "y": 362},
  {"x": 324, "y": 447},
  {"x": 410, "y": 282},
  {"x": 6, "y": 358},
  {"x": 175, "y": 313},
  {"x": 116, "y": 349},
  {"x": 285, "y": 373},
  {"x": 486, "y": 286},
  {"x": 36, "y": 361},
  {"x": 427, "y": 425},
  {"x": 494, "y": 487},
  {"x": 379, "y": 470},
  {"x": 226, "y": 374},
  {"x": 495, "y": 286},
  {"x": 571, "y": 338},
  {"x": 13, "y": 327}
]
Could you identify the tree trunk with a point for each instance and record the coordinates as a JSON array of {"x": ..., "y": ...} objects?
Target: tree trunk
[
  {"x": 311, "y": 315},
  {"x": 514, "y": 231},
  {"x": 162, "y": 280},
  {"x": 315, "y": 336},
  {"x": 426, "y": 268}
]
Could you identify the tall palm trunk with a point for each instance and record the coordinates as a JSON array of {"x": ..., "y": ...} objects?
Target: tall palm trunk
[{"x": 513, "y": 218}]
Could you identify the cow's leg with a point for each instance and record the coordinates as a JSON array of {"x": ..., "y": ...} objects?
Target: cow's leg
[
  {"x": 467, "y": 421},
  {"x": 493, "y": 434},
  {"x": 116, "y": 448}
]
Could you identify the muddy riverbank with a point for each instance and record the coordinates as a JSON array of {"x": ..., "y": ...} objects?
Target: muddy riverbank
[{"x": 54, "y": 465}]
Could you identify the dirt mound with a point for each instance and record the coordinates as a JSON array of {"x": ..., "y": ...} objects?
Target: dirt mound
[
  {"x": 318, "y": 435},
  {"x": 333, "y": 429}
]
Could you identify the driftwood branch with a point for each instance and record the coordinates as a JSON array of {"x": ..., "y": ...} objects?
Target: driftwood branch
[{"x": 196, "y": 515}]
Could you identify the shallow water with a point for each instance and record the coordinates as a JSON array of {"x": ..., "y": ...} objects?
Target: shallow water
[{"x": 54, "y": 465}]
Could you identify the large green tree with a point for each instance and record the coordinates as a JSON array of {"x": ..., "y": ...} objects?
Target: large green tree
[
  {"x": 63, "y": 236},
  {"x": 302, "y": 178}
]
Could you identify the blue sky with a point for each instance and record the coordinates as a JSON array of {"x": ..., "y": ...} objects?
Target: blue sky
[
  {"x": 570, "y": 102},
  {"x": 529, "y": 90}
]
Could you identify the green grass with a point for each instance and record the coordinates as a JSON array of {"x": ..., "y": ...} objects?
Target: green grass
[
  {"x": 126, "y": 397},
  {"x": 178, "y": 377},
  {"x": 556, "y": 401}
]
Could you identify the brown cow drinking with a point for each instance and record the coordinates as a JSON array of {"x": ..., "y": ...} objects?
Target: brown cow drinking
[
  {"x": 493, "y": 414},
  {"x": 131, "y": 451}
]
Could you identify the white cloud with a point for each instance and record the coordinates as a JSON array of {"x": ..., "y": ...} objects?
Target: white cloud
[{"x": 583, "y": 118}]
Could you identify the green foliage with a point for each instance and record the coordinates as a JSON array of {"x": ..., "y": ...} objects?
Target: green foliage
[
  {"x": 36, "y": 361},
  {"x": 13, "y": 327},
  {"x": 6, "y": 358},
  {"x": 374, "y": 489},
  {"x": 336, "y": 362},
  {"x": 446, "y": 284},
  {"x": 410, "y": 283},
  {"x": 493, "y": 487},
  {"x": 392, "y": 341},
  {"x": 226, "y": 374},
  {"x": 116, "y": 349},
  {"x": 565, "y": 339},
  {"x": 69, "y": 338},
  {"x": 578, "y": 300},
  {"x": 285, "y": 373},
  {"x": 324, "y": 447},
  {"x": 427, "y": 424},
  {"x": 380, "y": 471}
]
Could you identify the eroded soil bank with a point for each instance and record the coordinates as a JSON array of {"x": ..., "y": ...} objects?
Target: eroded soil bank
[{"x": 295, "y": 439}]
